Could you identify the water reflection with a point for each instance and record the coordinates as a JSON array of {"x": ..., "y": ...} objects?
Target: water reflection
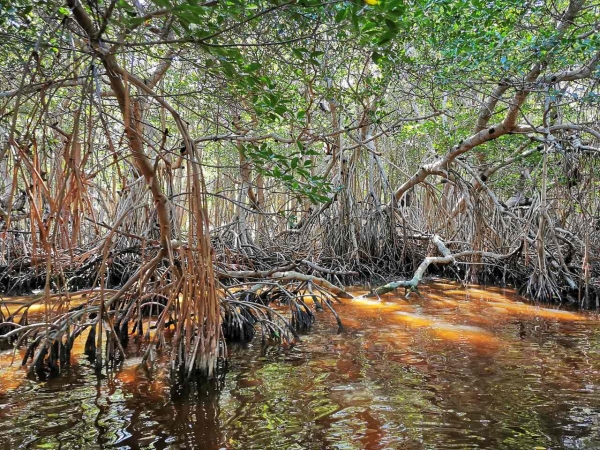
[{"x": 455, "y": 369}]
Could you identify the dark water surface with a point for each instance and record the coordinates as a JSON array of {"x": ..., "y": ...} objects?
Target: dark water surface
[{"x": 456, "y": 369}]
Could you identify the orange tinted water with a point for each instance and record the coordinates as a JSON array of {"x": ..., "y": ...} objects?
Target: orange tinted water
[{"x": 458, "y": 368}]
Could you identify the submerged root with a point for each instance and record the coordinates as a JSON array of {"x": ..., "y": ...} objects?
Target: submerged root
[{"x": 276, "y": 309}]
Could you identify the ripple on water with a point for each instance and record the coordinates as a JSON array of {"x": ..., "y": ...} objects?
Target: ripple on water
[{"x": 457, "y": 368}]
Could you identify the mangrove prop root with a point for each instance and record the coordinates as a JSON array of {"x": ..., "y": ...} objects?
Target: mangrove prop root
[{"x": 292, "y": 275}]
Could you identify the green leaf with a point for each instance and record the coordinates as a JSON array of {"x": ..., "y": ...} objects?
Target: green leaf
[
  {"x": 392, "y": 25},
  {"x": 377, "y": 58},
  {"x": 253, "y": 67},
  {"x": 341, "y": 15},
  {"x": 163, "y": 3},
  {"x": 368, "y": 26},
  {"x": 386, "y": 37}
]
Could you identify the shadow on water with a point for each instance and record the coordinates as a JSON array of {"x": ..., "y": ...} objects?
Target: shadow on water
[
  {"x": 125, "y": 409},
  {"x": 458, "y": 368}
]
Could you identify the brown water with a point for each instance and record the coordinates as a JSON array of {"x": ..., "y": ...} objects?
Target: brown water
[{"x": 456, "y": 369}]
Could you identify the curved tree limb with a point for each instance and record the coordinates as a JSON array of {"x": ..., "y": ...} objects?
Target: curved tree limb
[
  {"x": 292, "y": 275},
  {"x": 446, "y": 258}
]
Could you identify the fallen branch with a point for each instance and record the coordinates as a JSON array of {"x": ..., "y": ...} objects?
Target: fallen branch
[
  {"x": 446, "y": 258},
  {"x": 242, "y": 274}
]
